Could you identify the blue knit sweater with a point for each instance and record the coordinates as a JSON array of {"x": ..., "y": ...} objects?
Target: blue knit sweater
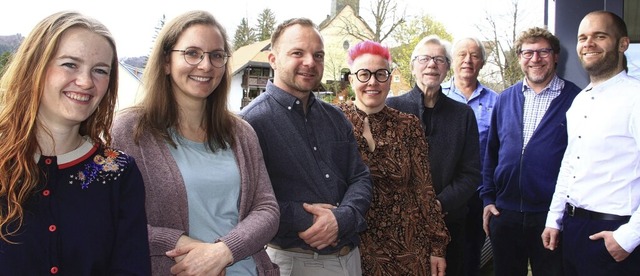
[{"x": 524, "y": 180}]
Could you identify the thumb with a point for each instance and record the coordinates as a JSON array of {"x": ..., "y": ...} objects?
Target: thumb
[
  {"x": 178, "y": 251},
  {"x": 596, "y": 236}
]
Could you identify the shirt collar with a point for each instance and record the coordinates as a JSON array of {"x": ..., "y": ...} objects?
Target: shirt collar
[
  {"x": 555, "y": 85},
  {"x": 285, "y": 99}
]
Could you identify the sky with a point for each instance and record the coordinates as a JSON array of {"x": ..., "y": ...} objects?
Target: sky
[{"x": 133, "y": 22}]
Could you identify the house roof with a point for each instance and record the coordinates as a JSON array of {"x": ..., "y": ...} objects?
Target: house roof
[{"x": 255, "y": 54}]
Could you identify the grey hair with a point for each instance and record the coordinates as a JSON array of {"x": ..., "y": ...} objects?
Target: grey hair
[
  {"x": 479, "y": 43},
  {"x": 436, "y": 40}
]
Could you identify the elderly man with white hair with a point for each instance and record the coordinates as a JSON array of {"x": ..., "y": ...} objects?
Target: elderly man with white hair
[{"x": 452, "y": 138}]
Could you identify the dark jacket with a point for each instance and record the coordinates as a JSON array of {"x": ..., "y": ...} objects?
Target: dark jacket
[
  {"x": 524, "y": 180},
  {"x": 454, "y": 151}
]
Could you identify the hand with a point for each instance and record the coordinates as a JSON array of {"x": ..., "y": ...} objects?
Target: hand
[
  {"x": 182, "y": 241},
  {"x": 200, "y": 258},
  {"x": 438, "y": 265},
  {"x": 550, "y": 238},
  {"x": 324, "y": 231},
  {"x": 615, "y": 250},
  {"x": 489, "y": 210}
]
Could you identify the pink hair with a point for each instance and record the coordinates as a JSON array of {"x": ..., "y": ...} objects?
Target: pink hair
[{"x": 368, "y": 47}]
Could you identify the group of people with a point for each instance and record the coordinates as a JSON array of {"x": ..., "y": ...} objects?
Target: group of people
[{"x": 406, "y": 185}]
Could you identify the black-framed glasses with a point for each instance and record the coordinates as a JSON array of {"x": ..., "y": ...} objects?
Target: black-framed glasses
[
  {"x": 424, "y": 59},
  {"x": 194, "y": 56},
  {"x": 543, "y": 53},
  {"x": 364, "y": 75}
]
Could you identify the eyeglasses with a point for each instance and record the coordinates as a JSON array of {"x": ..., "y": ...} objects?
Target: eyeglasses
[
  {"x": 364, "y": 75},
  {"x": 543, "y": 53},
  {"x": 194, "y": 56},
  {"x": 424, "y": 59}
]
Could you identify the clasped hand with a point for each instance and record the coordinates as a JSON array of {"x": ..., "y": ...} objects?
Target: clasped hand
[
  {"x": 324, "y": 231},
  {"x": 194, "y": 257}
]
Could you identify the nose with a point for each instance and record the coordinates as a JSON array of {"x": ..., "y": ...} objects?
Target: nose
[
  {"x": 85, "y": 80},
  {"x": 205, "y": 63},
  {"x": 466, "y": 58}
]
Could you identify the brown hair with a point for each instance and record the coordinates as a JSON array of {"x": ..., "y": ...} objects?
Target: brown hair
[
  {"x": 275, "y": 36},
  {"x": 159, "y": 107},
  {"x": 21, "y": 88},
  {"x": 535, "y": 34}
]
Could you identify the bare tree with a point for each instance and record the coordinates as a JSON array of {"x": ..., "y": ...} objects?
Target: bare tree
[
  {"x": 385, "y": 15},
  {"x": 502, "y": 69}
]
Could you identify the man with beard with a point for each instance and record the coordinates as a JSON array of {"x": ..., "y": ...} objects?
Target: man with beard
[
  {"x": 452, "y": 137},
  {"x": 596, "y": 200},
  {"x": 322, "y": 186},
  {"x": 526, "y": 142}
]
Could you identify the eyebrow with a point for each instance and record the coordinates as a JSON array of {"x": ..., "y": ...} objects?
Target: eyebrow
[{"x": 80, "y": 60}]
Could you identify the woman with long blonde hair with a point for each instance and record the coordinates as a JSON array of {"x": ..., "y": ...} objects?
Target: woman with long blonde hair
[{"x": 69, "y": 203}]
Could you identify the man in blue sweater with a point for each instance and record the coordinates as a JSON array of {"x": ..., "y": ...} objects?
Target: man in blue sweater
[{"x": 526, "y": 142}]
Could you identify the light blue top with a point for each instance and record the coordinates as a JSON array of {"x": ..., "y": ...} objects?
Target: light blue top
[
  {"x": 212, "y": 181},
  {"x": 481, "y": 101}
]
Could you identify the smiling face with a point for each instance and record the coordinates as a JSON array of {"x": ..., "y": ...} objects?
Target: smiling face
[
  {"x": 538, "y": 70},
  {"x": 195, "y": 82},
  {"x": 599, "y": 48},
  {"x": 430, "y": 75},
  {"x": 298, "y": 59},
  {"x": 370, "y": 95},
  {"x": 467, "y": 60},
  {"x": 77, "y": 78}
]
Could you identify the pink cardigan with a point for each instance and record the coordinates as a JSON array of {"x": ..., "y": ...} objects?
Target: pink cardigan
[{"x": 166, "y": 198}]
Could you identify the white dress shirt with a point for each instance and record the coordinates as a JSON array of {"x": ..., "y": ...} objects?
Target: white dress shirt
[{"x": 600, "y": 170}]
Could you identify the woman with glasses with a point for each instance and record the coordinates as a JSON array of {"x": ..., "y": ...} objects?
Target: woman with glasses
[
  {"x": 210, "y": 204},
  {"x": 406, "y": 234}
]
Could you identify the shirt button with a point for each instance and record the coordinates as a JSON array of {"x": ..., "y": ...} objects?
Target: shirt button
[
  {"x": 47, "y": 161},
  {"x": 288, "y": 107},
  {"x": 46, "y": 192},
  {"x": 579, "y": 136},
  {"x": 578, "y": 157},
  {"x": 54, "y": 270},
  {"x": 314, "y": 148},
  {"x": 326, "y": 176},
  {"x": 297, "y": 102},
  {"x": 52, "y": 228}
]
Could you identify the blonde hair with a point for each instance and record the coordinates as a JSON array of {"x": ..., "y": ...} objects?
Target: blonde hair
[{"x": 21, "y": 88}]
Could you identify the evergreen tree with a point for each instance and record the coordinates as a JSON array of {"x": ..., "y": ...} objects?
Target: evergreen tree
[
  {"x": 245, "y": 35},
  {"x": 266, "y": 25}
]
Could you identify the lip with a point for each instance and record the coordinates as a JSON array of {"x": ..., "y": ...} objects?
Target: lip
[
  {"x": 78, "y": 97},
  {"x": 200, "y": 78}
]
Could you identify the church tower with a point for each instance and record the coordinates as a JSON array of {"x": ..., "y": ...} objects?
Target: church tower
[{"x": 338, "y": 5}]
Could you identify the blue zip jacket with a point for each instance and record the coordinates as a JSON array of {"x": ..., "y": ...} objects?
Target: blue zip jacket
[{"x": 524, "y": 180}]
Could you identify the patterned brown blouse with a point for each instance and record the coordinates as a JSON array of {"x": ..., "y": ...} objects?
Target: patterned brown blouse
[{"x": 405, "y": 226}]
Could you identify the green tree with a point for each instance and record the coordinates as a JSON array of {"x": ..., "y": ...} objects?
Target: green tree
[
  {"x": 408, "y": 34},
  {"x": 266, "y": 25},
  {"x": 245, "y": 35},
  {"x": 4, "y": 58}
]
